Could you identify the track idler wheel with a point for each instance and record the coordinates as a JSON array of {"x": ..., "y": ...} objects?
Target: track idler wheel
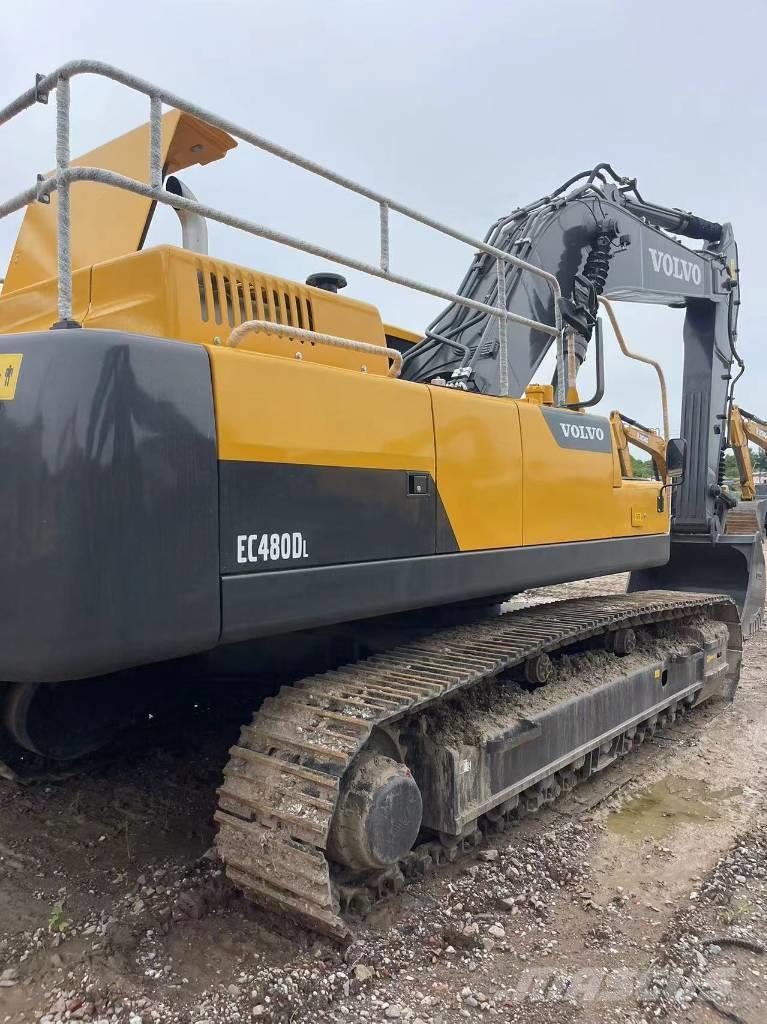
[{"x": 378, "y": 816}]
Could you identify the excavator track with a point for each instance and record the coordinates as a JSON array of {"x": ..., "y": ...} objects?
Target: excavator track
[{"x": 285, "y": 776}]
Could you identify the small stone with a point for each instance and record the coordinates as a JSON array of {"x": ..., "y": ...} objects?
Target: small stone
[
  {"x": 363, "y": 973},
  {"x": 190, "y": 904},
  {"x": 233, "y": 990},
  {"x": 488, "y": 855},
  {"x": 497, "y": 931},
  {"x": 393, "y": 1012}
]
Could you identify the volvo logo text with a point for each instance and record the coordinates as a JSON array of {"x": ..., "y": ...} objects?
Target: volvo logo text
[
  {"x": 673, "y": 266},
  {"x": 583, "y": 432}
]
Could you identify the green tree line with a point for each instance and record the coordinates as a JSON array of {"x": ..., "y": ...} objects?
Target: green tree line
[{"x": 643, "y": 467}]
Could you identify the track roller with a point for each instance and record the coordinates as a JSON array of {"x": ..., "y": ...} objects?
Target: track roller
[
  {"x": 621, "y": 641},
  {"x": 538, "y": 670}
]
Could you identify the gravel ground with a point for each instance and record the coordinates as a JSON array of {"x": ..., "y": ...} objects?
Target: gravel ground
[{"x": 641, "y": 896}]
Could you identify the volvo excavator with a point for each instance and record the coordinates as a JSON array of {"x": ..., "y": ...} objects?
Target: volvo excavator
[
  {"x": 207, "y": 469},
  {"x": 749, "y": 514}
]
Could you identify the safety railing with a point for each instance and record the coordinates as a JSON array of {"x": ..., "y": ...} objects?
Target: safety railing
[{"x": 65, "y": 175}]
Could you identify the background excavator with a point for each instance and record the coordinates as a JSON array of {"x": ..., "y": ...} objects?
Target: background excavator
[
  {"x": 208, "y": 471},
  {"x": 745, "y": 429}
]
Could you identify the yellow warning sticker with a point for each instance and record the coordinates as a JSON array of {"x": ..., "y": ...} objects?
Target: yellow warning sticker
[{"x": 10, "y": 369}]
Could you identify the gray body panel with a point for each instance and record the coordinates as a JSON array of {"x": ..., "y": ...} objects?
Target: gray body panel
[
  {"x": 726, "y": 564},
  {"x": 108, "y": 505},
  {"x": 262, "y": 604}
]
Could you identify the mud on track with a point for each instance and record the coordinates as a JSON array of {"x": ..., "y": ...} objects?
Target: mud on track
[{"x": 599, "y": 909}]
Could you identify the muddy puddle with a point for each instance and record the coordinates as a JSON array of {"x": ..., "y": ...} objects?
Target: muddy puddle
[{"x": 659, "y": 809}]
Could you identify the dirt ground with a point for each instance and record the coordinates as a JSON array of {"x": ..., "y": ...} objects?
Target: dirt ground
[{"x": 640, "y": 896}]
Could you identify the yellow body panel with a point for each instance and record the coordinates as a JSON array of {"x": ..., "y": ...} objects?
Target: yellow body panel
[
  {"x": 505, "y": 481},
  {"x": 277, "y": 410},
  {"x": 502, "y": 477},
  {"x": 109, "y": 222},
  {"x": 570, "y": 495},
  {"x": 479, "y": 467},
  {"x": 34, "y": 308},
  {"x": 173, "y": 293}
]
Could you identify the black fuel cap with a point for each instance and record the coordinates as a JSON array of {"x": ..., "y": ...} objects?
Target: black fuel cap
[{"x": 326, "y": 280}]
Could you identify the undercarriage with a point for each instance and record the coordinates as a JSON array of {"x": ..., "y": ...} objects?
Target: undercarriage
[{"x": 349, "y": 781}]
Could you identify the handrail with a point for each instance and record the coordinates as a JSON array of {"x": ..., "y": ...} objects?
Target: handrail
[
  {"x": 640, "y": 359},
  {"x": 59, "y": 79},
  {"x": 301, "y": 334}
]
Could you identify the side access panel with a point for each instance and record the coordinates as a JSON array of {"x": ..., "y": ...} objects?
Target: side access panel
[
  {"x": 479, "y": 470},
  {"x": 320, "y": 468},
  {"x": 108, "y": 503},
  {"x": 573, "y": 487}
]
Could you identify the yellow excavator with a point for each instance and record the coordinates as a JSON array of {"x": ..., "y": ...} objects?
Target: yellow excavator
[
  {"x": 745, "y": 429},
  {"x": 207, "y": 470}
]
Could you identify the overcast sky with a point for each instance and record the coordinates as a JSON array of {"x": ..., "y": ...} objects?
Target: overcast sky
[{"x": 463, "y": 110}]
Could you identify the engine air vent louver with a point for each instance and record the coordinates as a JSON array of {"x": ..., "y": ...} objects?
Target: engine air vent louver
[{"x": 229, "y": 297}]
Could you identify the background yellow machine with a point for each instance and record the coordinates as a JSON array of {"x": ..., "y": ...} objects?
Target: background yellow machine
[
  {"x": 198, "y": 459},
  {"x": 749, "y": 514}
]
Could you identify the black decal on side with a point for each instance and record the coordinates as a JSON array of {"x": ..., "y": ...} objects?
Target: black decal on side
[
  {"x": 574, "y": 430},
  {"x": 343, "y": 515}
]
